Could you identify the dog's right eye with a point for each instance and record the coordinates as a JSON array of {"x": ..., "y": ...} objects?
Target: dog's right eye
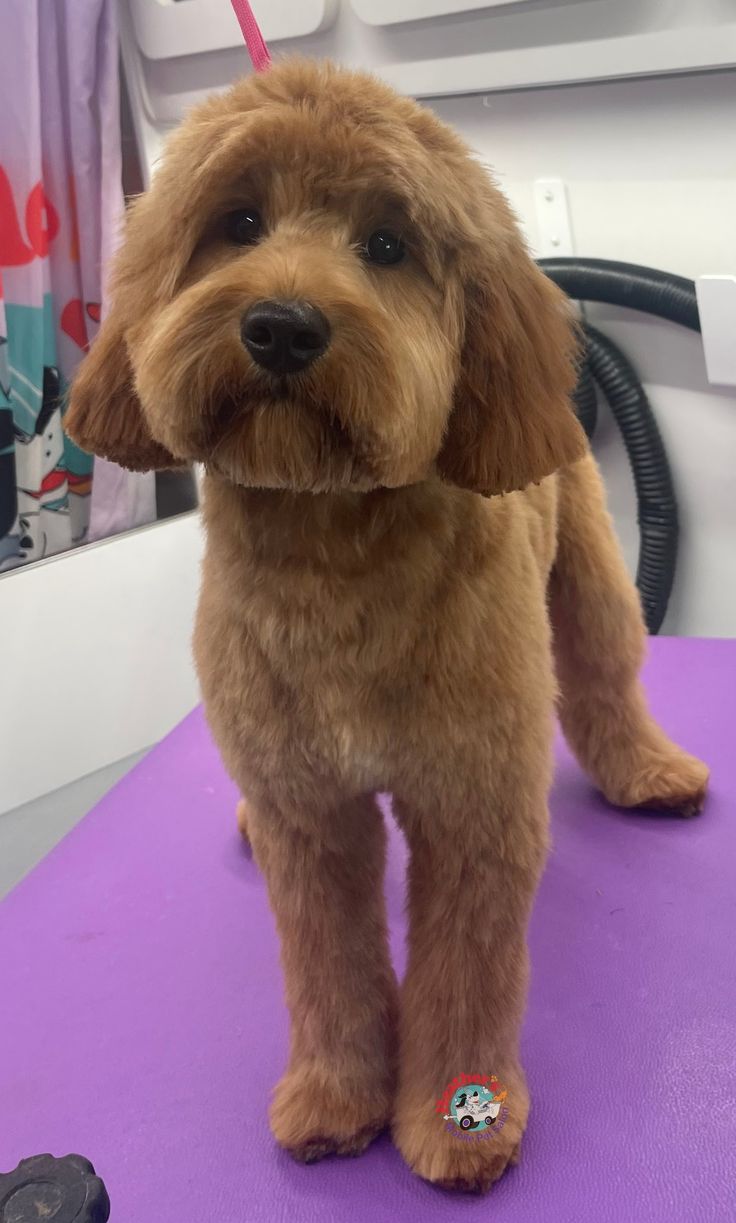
[
  {"x": 244, "y": 226},
  {"x": 384, "y": 247}
]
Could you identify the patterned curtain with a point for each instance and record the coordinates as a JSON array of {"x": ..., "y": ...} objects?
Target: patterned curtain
[{"x": 60, "y": 206}]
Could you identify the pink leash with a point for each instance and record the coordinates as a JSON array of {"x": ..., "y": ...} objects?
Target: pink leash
[{"x": 257, "y": 48}]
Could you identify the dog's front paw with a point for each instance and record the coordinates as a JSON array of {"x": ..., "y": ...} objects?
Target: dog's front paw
[
  {"x": 314, "y": 1113},
  {"x": 469, "y": 1160}
]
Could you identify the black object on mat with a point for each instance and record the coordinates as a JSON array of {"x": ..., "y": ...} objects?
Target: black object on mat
[{"x": 59, "y": 1190}]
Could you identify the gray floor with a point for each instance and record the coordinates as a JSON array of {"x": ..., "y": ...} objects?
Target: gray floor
[{"x": 27, "y": 833}]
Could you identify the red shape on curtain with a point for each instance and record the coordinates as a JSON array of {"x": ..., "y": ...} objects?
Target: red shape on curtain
[
  {"x": 42, "y": 225},
  {"x": 72, "y": 322},
  {"x": 14, "y": 251},
  {"x": 42, "y": 221}
]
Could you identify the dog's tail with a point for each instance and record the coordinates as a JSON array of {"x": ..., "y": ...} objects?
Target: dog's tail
[{"x": 600, "y": 641}]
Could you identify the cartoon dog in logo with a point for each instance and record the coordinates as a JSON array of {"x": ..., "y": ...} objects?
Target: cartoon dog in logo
[{"x": 474, "y": 1107}]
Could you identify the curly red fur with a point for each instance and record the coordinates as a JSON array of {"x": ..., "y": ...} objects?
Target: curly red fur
[{"x": 368, "y": 620}]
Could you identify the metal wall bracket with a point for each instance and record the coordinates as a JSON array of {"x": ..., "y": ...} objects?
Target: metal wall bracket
[
  {"x": 717, "y": 308},
  {"x": 553, "y": 218}
]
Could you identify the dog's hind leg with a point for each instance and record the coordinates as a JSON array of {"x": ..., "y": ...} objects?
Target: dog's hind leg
[
  {"x": 599, "y": 646},
  {"x": 324, "y": 871}
]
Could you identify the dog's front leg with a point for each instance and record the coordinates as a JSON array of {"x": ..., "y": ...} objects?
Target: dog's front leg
[
  {"x": 462, "y": 1002},
  {"x": 325, "y": 874}
]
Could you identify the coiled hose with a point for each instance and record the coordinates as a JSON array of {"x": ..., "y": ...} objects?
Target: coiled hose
[
  {"x": 586, "y": 398},
  {"x": 627, "y": 284},
  {"x": 605, "y": 366}
]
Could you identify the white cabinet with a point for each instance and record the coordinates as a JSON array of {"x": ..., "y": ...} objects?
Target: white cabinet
[
  {"x": 98, "y": 661},
  {"x": 428, "y": 48},
  {"x": 165, "y": 29}
]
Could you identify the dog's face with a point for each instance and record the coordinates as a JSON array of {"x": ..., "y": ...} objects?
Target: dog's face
[{"x": 322, "y": 290}]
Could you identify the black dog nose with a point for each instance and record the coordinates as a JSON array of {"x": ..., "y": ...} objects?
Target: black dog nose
[{"x": 285, "y": 337}]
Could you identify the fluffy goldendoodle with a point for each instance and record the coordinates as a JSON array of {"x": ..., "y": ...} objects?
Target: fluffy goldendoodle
[{"x": 325, "y": 301}]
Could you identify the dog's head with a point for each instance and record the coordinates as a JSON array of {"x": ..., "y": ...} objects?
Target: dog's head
[{"x": 323, "y": 290}]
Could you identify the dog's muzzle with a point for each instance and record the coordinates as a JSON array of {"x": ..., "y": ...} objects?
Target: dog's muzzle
[{"x": 284, "y": 337}]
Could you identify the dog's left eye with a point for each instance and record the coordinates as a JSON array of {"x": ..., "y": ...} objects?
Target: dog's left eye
[
  {"x": 384, "y": 247},
  {"x": 244, "y": 226}
]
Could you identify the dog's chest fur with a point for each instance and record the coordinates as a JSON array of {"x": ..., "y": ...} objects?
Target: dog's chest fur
[{"x": 347, "y": 633}]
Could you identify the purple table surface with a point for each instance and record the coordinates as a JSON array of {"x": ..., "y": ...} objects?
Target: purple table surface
[{"x": 142, "y": 1022}]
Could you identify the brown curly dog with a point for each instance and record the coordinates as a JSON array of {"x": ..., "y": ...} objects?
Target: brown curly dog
[{"x": 325, "y": 301}]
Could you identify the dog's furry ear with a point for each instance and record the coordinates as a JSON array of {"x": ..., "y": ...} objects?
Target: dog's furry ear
[
  {"x": 104, "y": 414},
  {"x": 512, "y": 421}
]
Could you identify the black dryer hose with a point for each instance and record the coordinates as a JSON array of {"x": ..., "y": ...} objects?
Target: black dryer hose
[
  {"x": 668, "y": 297},
  {"x": 655, "y": 493},
  {"x": 627, "y": 284}
]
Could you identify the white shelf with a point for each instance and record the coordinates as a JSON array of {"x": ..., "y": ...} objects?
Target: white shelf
[
  {"x": 637, "y": 54},
  {"x": 391, "y": 12}
]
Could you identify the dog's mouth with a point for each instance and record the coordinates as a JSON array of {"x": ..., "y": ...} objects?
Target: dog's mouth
[
  {"x": 281, "y": 389},
  {"x": 247, "y": 440},
  {"x": 233, "y": 411}
]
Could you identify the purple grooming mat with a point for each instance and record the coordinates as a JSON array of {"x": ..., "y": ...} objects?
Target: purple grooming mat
[{"x": 142, "y": 1021}]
